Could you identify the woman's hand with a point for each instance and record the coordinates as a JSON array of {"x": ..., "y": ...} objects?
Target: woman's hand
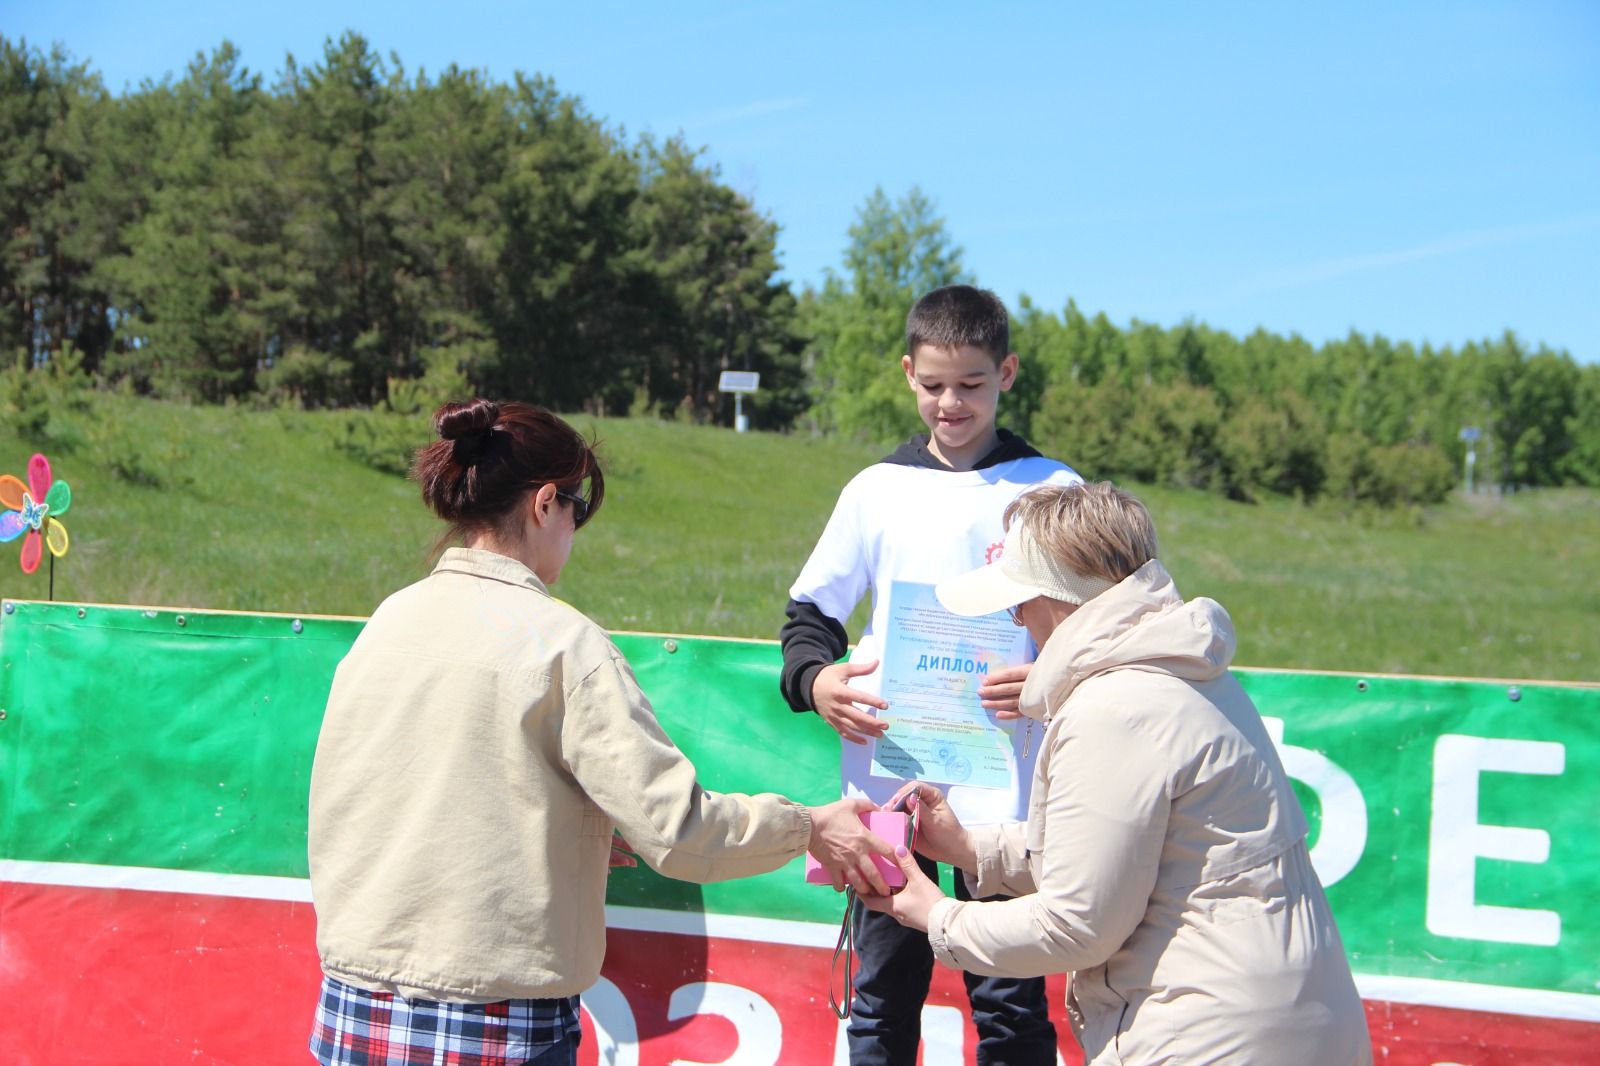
[
  {"x": 1002, "y": 691},
  {"x": 844, "y": 846},
  {"x": 836, "y": 701},
  {"x": 940, "y": 835},
  {"x": 910, "y": 905}
]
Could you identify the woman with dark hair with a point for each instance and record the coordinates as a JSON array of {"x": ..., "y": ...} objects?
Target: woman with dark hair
[{"x": 482, "y": 742}]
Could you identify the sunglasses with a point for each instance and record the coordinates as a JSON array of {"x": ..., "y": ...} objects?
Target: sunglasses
[
  {"x": 580, "y": 507},
  {"x": 1015, "y": 611}
]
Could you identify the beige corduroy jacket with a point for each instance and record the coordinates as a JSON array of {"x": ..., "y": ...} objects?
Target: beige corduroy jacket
[
  {"x": 481, "y": 741},
  {"x": 1163, "y": 861}
]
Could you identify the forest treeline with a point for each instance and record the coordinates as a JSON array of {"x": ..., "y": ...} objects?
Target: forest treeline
[{"x": 348, "y": 234}]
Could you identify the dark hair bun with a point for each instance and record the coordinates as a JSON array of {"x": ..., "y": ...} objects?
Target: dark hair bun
[
  {"x": 458, "y": 421},
  {"x": 493, "y": 455}
]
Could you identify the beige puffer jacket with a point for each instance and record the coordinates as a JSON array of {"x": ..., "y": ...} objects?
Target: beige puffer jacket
[{"x": 1163, "y": 861}]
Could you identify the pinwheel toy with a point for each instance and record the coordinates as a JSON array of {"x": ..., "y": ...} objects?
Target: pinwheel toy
[{"x": 35, "y": 509}]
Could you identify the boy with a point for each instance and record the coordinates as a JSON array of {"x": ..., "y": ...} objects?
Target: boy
[{"x": 927, "y": 512}]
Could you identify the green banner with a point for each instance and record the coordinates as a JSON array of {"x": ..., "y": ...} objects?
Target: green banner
[
  {"x": 1449, "y": 817},
  {"x": 1451, "y": 821}
]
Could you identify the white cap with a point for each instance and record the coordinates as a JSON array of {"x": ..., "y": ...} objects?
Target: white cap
[{"x": 1024, "y": 570}]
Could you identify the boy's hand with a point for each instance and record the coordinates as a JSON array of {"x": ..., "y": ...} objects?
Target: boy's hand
[
  {"x": 836, "y": 701},
  {"x": 844, "y": 846},
  {"x": 1002, "y": 692},
  {"x": 910, "y": 905},
  {"x": 940, "y": 835}
]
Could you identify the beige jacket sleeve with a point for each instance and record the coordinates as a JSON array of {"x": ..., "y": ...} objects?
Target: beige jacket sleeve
[
  {"x": 1104, "y": 821},
  {"x": 630, "y": 768},
  {"x": 1003, "y": 867}
]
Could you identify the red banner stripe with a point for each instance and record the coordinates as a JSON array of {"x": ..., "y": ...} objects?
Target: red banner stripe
[{"x": 116, "y": 977}]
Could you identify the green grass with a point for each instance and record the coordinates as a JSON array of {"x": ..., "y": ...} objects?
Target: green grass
[
  {"x": 1479, "y": 587},
  {"x": 703, "y": 530}
]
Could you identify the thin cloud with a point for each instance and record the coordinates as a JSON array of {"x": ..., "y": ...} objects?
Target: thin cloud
[
  {"x": 1328, "y": 269},
  {"x": 727, "y": 115}
]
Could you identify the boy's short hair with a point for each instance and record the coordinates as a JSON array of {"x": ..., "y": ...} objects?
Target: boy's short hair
[
  {"x": 1096, "y": 530},
  {"x": 957, "y": 316}
]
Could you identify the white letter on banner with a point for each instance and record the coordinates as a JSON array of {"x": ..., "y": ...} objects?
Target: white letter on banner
[
  {"x": 755, "y": 1023},
  {"x": 614, "y": 1029},
  {"x": 1456, "y": 841},
  {"x": 943, "y": 1036},
  {"x": 1343, "y": 835}
]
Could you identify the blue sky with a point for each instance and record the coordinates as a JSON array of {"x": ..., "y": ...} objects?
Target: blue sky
[{"x": 1429, "y": 171}]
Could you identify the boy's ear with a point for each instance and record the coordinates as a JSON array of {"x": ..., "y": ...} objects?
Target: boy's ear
[
  {"x": 910, "y": 368},
  {"x": 1008, "y": 371}
]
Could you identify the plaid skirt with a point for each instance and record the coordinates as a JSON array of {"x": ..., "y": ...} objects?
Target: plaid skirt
[{"x": 355, "y": 1027}]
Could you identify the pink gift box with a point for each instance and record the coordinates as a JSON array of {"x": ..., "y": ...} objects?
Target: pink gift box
[{"x": 893, "y": 826}]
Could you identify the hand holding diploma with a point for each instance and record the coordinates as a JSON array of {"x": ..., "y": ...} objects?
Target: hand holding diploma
[
  {"x": 1002, "y": 692},
  {"x": 836, "y": 702}
]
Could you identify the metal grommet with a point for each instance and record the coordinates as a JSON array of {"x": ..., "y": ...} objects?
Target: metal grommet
[
  {"x": 1513, "y": 693},
  {"x": 298, "y": 626},
  {"x": 670, "y": 645},
  {"x": 82, "y": 613},
  {"x": 11, "y": 608},
  {"x": 2, "y": 714},
  {"x": 182, "y": 621},
  {"x": 1361, "y": 686}
]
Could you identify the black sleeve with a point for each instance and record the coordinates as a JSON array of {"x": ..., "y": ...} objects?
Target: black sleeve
[{"x": 811, "y": 640}]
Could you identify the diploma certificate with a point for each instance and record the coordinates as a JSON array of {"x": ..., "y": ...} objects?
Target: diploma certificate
[{"x": 933, "y": 665}]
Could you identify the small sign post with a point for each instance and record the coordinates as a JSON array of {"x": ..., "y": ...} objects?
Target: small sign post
[
  {"x": 1470, "y": 434},
  {"x": 739, "y": 382}
]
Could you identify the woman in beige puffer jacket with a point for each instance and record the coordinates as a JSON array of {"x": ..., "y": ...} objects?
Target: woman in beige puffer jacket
[{"x": 1163, "y": 863}]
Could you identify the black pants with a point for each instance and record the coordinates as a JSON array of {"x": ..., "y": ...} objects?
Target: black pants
[{"x": 896, "y": 966}]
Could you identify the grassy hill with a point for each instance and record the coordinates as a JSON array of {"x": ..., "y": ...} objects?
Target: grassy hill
[{"x": 703, "y": 530}]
